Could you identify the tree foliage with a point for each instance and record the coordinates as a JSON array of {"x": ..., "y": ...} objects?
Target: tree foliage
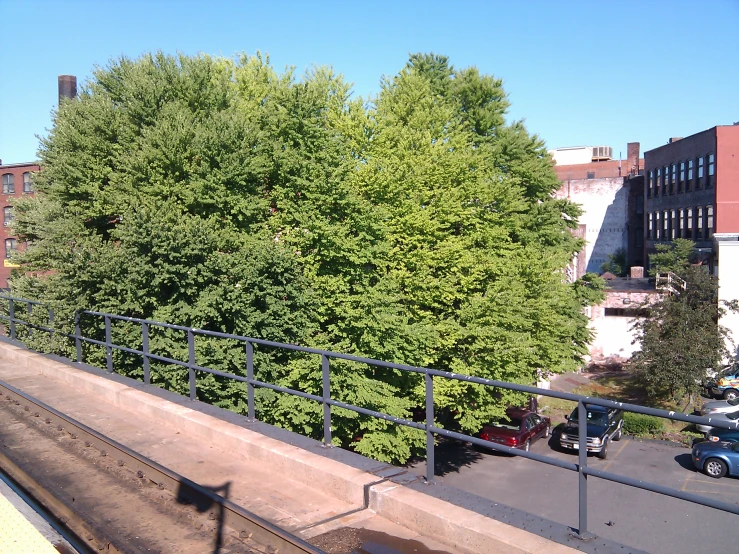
[
  {"x": 418, "y": 228},
  {"x": 680, "y": 336}
]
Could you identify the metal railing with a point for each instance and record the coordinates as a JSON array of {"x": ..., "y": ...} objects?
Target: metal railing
[{"x": 325, "y": 399}]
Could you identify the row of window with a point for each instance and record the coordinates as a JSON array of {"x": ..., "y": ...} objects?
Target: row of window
[
  {"x": 682, "y": 176},
  {"x": 683, "y": 223},
  {"x": 9, "y": 183}
]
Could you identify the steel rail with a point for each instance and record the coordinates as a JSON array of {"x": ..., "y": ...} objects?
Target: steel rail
[{"x": 245, "y": 523}]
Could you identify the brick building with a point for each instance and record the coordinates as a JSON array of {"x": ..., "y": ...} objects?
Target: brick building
[
  {"x": 16, "y": 182},
  {"x": 692, "y": 192},
  {"x": 608, "y": 191}
]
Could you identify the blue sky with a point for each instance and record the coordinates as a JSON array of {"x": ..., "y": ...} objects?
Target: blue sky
[{"x": 580, "y": 73}]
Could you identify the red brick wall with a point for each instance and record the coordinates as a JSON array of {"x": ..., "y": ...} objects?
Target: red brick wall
[
  {"x": 727, "y": 179},
  {"x": 17, "y": 170}
]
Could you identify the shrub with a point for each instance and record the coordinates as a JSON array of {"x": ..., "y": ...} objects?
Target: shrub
[{"x": 640, "y": 424}]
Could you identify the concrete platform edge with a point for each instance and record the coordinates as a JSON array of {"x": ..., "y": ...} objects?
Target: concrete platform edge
[{"x": 362, "y": 486}]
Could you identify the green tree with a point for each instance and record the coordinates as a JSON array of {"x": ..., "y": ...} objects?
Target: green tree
[
  {"x": 616, "y": 263},
  {"x": 218, "y": 193},
  {"x": 680, "y": 336}
]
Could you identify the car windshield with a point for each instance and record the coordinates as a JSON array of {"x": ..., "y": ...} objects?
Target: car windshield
[
  {"x": 733, "y": 401},
  {"x": 733, "y": 415},
  {"x": 513, "y": 423},
  {"x": 596, "y": 418}
]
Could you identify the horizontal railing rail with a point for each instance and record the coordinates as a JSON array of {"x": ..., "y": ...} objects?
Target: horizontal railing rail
[{"x": 428, "y": 426}]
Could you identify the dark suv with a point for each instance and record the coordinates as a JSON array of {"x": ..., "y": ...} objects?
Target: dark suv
[{"x": 604, "y": 425}]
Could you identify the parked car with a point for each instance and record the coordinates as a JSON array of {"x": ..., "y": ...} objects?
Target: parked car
[
  {"x": 720, "y": 406},
  {"x": 603, "y": 426},
  {"x": 726, "y": 385},
  {"x": 716, "y": 459},
  {"x": 729, "y": 435},
  {"x": 519, "y": 429},
  {"x": 730, "y": 417}
]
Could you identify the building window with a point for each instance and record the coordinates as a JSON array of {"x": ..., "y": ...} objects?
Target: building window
[
  {"x": 8, "y": 215},
  {"x": 700, "y": 173},
  {"x": 10, "y": 247},
  {"x": 666, "y": 178},
  {"x": 27, "y": 185},
  {"x": 658, "y": 182},
  {"x": 681, "y": 224},
  {"x": 690, "y": 175},
  {"x": 657, "y": 226},
  {"x": 699, "y": 223},
  {"x": 709, "y": 221},
  {"x": 673, "y": 224},
  {"x": 591, "y": 174},
  {"x": 650, "y": 183},
  {"x": 673, "y": 178},
  {"x": 689, "y": 223},
  {"x": 681, "y": 182},
  {"x": 665, "y": 225},
  {"x": 8, "y": 183},
  {"x": 650, "y": 226},
  {"x": 711, "y": 169}
]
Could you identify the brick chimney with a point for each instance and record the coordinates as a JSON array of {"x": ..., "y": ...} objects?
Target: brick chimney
[
  {"x": 67, "y": 86},
  {"x": 632, "y": 156}
]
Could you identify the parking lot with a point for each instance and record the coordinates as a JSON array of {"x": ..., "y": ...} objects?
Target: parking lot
[{"x": 636, "y": 518}]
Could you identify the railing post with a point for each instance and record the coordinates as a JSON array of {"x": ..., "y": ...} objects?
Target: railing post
[
  {"x": 145, "y": 350},
  {"x": 430, "y": 465},
  {"x": 250, "y": 411},
  {"x": 29, "y": 309},
  {"x": 191, "y": 363},
  {"x": 51, "y": 327},
  {"x": 78, "y": 337},
  {"x": 326, "y": 373},
  {"x": 11, "y": 312},
  {"x": 108, "y": 345},
  {"x": 582, "y": 436}
]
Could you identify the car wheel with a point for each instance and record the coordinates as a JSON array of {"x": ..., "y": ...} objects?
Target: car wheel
[
  {"x": 730, "y": 394},
  {"x": 547, "y": 431},
  {"x": 713, "y": 467},
  {"x": 603, "y": 454},
  {"x": 527, "y": 445},
  {"x": 619, "y": 434}
]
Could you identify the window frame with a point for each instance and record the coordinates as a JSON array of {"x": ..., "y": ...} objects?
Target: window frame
[
  {"x": 13, "y": 247},
  {"x": 8, "y": 181},
  {"x": 27, "y": 183}
]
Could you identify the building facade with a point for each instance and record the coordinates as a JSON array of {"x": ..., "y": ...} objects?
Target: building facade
[
  {"x": 692, "y": 192},
  {"x": 604, "y": 188},
  {"x": 17, "y": 181}
]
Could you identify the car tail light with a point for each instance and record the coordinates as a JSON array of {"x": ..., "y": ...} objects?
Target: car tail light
[
  {"x": 513, "y": 441},
  {"x": 713, "y": 439},
  {"x": 485, "y": 436}
]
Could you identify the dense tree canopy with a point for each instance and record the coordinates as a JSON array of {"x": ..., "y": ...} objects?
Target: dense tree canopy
[
  {"x": 680, "y": 336},
  {"x": 418, "y": 228}
]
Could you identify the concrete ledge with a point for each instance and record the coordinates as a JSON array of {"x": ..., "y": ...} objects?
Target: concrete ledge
[{"x": 421, "y": 513}]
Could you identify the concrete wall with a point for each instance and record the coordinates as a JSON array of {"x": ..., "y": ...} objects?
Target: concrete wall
[
  {"x": 613, "y": 337},
  {"x": 572, "y": 155},
  {"x": 604, "y": 203},
  {"x": 727, "y": 245}
]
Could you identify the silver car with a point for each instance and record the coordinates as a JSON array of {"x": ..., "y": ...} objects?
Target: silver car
[
  {"x": 720, "y": 406},
  {"x": 727, "y": 417}
]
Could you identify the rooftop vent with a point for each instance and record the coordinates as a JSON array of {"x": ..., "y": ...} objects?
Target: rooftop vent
[
  {"x": 674, "y": 139},
  {"x": 602, "y": 153}
]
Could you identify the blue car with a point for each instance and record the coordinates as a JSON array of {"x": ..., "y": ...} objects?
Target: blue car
[
  {"x": 728, "y": 435},
  {"x": 716, "y": 459}
]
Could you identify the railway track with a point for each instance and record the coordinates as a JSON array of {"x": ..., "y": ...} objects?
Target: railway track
[{"x": 116, "y": 500}]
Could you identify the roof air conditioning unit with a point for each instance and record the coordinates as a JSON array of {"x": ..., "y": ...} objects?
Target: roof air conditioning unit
[{"x": 602, "y": 153}]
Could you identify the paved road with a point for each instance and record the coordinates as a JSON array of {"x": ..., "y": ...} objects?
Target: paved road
[{"x": 632, "y": 517}]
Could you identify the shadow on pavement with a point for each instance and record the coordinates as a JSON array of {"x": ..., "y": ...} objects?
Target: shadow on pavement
[
  {"x": 451, "y": 455},
  {"x": 686, "y": 461}
]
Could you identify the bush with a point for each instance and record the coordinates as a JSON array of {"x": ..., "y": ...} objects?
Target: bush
[{"x": 640, "y": 424}]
